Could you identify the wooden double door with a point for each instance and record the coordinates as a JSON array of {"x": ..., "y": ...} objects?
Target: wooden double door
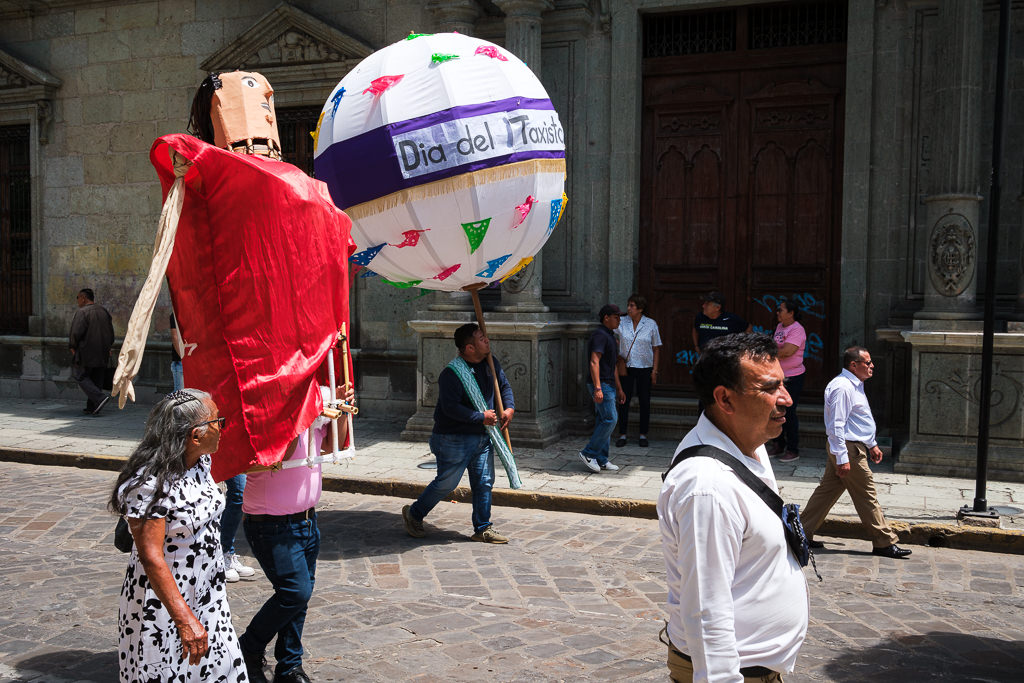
[{"x": 741, "y": 183}]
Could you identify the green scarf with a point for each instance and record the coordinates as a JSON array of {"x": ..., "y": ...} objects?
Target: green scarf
[{"x": 465, "y": 374}]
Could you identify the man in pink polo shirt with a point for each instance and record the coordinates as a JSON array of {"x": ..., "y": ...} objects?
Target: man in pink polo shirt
[{"x": 280, "y": 525}]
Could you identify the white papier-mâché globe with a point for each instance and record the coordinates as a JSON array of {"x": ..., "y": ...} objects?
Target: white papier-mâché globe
[{"x": 448, "y": 156}]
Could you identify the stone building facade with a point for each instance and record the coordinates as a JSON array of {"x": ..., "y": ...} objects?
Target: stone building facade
[{"x": 832, "y": 153}]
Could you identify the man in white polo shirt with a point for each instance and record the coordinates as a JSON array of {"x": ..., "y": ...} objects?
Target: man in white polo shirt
[{"x": 737, "y": 599}]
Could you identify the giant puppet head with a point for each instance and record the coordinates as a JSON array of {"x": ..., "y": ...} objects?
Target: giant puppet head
[{"x": 234, "y": 110}]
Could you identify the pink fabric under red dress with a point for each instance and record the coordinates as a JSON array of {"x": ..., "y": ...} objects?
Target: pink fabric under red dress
[{"x": 259, "y": 283}]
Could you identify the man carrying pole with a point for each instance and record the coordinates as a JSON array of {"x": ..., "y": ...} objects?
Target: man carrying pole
[{"x": 466, "y": 433}]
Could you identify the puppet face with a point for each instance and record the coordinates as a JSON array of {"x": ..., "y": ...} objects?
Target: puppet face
[{"x": 243, "y": 115}]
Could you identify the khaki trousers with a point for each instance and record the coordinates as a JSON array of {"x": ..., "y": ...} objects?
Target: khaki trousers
[
  {"x": 681, "y": 671},
  {"x": 861, "y": 485}
]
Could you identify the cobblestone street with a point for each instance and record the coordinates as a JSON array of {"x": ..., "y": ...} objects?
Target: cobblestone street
[{"x": 571, "y": 597}]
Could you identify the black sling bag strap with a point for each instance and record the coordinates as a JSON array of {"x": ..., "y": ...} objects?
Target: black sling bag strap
[{"x": 788, "y": 513}]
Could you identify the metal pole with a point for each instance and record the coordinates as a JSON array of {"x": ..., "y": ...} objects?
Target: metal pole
[{"x": 988, "y": 339}]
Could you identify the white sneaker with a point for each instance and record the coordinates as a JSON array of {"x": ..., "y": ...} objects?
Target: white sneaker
[
  {"x": 591, "y": 463},
  {"x": 611, "y": 467},
  {"x": 230, "y": 575},
  {"x": 232, "y": 562}
]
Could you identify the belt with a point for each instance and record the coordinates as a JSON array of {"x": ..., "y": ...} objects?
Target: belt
[
  {"x": 746, "y": 671},
  {"x": 284, "y": 519}
]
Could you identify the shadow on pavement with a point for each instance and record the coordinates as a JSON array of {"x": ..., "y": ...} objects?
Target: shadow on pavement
[
  {"x": 932, "y": 656},
  {"x": 76, "y": 665},
  {"x": 348, "y": 534}
]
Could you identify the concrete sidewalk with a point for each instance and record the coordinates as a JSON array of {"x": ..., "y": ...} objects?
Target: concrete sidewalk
[{"x": 922, "y": 508}]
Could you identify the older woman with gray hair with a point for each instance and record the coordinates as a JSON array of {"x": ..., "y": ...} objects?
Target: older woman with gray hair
[{"x": 174, "y": 622}]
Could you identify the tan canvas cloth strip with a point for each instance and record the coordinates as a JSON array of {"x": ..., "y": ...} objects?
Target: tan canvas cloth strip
[{"x": 130, "y": 358}]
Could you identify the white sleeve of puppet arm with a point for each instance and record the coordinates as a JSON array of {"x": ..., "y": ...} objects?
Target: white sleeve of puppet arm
[{"x": 708, "y": 550}]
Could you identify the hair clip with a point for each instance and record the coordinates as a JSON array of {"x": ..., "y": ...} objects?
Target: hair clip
[{"x": 181, "y": 397}]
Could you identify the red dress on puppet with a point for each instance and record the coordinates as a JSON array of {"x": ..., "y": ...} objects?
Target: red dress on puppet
[{"x": 259, "y": 282}]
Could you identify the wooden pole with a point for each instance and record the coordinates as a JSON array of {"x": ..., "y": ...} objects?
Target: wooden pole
[{"x": 474, "y": 292}]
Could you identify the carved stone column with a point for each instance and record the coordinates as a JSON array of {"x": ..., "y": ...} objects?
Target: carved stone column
[
  {"x": 954, "y": 201},
  {"x": 458, "y": 16},
  {"x": 522, "y": 292}
]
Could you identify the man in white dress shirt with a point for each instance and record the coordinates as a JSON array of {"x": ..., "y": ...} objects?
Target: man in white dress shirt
[
  {"x": 737, "y": 599},
  {"x": 851, "y": 440}
]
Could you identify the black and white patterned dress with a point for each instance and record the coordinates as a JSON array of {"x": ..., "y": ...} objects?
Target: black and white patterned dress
[{"x": 149, "y": 646}]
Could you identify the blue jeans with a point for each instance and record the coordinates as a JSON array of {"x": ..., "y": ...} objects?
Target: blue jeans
[
  {"x": 604, "y": 424},
  {"x": 455, "y": 454},
  {"x": 178, "y": 375},
  {"x": 232, "y": 514},
  {"x": 287, "y": 553}
]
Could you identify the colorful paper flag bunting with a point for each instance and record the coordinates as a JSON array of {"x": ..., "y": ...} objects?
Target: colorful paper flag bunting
[
  {"x": 439, "y": 58},
  {"x": 379, "y": 85},
  {"x": 523, "y": 210},
  {"x": 492, "y": 52},
  {"x": 519, "y": 266},
  {"x": 412, "y": 238},
  {"x": 475, "y": 232},
  {"x": 336, "y": 100},
  {"x": 363, "y": 258},
  {"x": 492, "y": 266},
  {"x": 443, "y": 275}
]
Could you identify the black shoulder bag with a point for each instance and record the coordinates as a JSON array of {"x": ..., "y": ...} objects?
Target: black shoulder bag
[
  {"x": 123, "y": 539},
  {"x": 789, "y": 513}
]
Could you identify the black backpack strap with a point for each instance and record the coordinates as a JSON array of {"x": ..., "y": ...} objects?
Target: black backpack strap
[{"x": 770, "y": 498}]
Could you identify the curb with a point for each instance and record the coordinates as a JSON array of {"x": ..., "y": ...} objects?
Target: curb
[{"x": 936, "y": 535}]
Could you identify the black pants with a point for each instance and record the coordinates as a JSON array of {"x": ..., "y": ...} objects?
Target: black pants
[
  {"x": 790, "y": 437},
  {"x": 637, "y": 382},
  {"x": 91, "y": 382}
]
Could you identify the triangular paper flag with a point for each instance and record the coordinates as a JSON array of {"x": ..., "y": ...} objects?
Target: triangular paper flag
[
  {"x": 336, "y": 100},
  {"x": 522, "y": 211},
  {"x": 368, "y": 273},
  {"x": 475, "y": 233},
  {"x": 402, "y": 285},
  {"x": 556, "y": 212},
  {"x": 522, "y": 264},
  {"x": 379, "y": 85},
  {"x": 443, "y": 275},
  {"x": 490, "y": 51},
  {"x": 492, "y": 266},
  {"x": 412, "y": 238},
  {"x": 363, "y": 258}
]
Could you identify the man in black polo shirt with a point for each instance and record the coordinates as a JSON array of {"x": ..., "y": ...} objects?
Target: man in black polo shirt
[
  {"x": 604, "y": 387},
  {"x": 713, "y": 321}
]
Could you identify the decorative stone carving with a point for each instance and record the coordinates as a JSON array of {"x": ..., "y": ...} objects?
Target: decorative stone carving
[
  {"x": 9, "y": 79},
  {"x": 302, "y": 56},
  {"x": 44, "y": 114},
  {"x": 292, "y": 47},
  {"x": 952, "y": 254}
]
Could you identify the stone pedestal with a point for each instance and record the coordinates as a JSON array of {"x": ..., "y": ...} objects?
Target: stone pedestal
[
  {"x": 944, "y": 404},
  {"x": 543, "y": 360}
]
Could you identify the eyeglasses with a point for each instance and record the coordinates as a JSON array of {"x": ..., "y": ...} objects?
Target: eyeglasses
[
  {"x": 866, "y": 362},
  {"x": 220, "y": 423}
]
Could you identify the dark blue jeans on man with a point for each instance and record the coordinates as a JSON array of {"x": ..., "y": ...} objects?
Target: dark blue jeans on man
[
  {"x": 455, "y": 454},
  {"x": 232, "y": 514},
  {"x": 607, "y": 415},
  {"x": 287, "y": 553}
]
